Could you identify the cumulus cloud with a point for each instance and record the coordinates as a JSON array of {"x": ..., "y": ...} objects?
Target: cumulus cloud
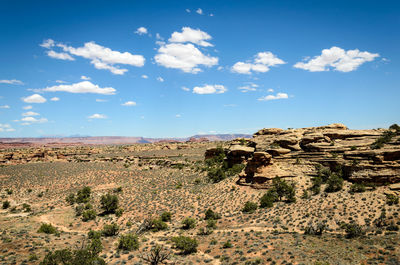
[
  {"x": 81, "y": 87},
  {"x": 83, "y": 77},
  {"x": 60, "y": 55},
  {"x": 27, "y": 107},
  {"x": 30, "y": 113},
  {"x": 35, "y": 98},
  {"x": 160, "y": 79},
  {"x": 261, "y": 63},
  {"x": 11, "y": 82},
  {"x": 5, "y": 107},
  {"x": 30, "y": 120},
  {"x": 141, "y": 31},
  {"x": 48, "y": 44},
  {"x": 101, "y": 57},
  {"x": 183, "y": 56},
  {"x": 129, "y": 104},
  {"x": 181, "y": 53},
  {"x": 5, "y": 127},
  {"x": 97, "y": 116},
  {"x": 195, "y": 36},
  {"x": 55, "y": 99},
  {"x": 338, "y": 59},
  {"x": 199, "y": 11},
  {"x": 145, "y": 76},
  {"x": 274, "y": 97},
  {"x": 247, "y": 88},
  {"x": 185, "y": 88},
  {"x": 210, "y": 89}
]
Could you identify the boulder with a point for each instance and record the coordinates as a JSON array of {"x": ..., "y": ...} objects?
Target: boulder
[{"x": 269, "y": 131}]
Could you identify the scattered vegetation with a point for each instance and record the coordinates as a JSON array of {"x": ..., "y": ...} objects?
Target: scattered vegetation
[{"x": 186, "y": 244}]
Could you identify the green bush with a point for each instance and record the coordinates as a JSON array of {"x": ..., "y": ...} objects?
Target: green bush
[
  {"x": 357, "y": 187},
  {"x": 70, "y": 199},
  {"x": 119, "y": 212},
  {"x": 211, "y": 215},
  {"x": 188, "y": 223},
  {"x": 109, "y": 203},
  {"x": 186, "y": 244},
  {"x": 158, "y": 225},
  {"x": 392, "y": 199},
  {"x": 216, "y": 174},
  {"x": 166, "y": 216},
  {"x": 353, "y": 230},
  {"x": 89, "y": 215},
  {"x": 110, "y": 230},
  {"x": 83, "y": 195},
  {"x": 211, "y": 223},
  {"x": 6, "y": 204},
  {"x": 26, "y": 207},
  {"x": 94, "y": 234},
  {"x": 128, "y": 242},
  {"x": 227, "y": 244},
  {"x": 79, "y": 210},
  {"x": 315, "y": 230},
  {"x": 268, "y": 199},
  {"x": 47, "y": 229},
  {"x": 335, "y": 183},
  {"x": 249, "y": 207}
]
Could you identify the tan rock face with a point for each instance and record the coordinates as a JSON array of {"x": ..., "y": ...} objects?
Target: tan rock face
[{"x": 330, "y": 145}]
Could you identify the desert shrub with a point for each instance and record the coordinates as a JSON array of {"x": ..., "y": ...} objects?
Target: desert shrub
[
  {"x": 26, "y": 207},
  {"x": 316, "y": 185},
  {"x": 166, "y": 216},
  {"x": 249, "y": 207},
  {"x": 235, "y": 169},
  {"x": 9, "y": 191},
  {"x": 282, "y": 189},
  {"x": 119, "y": 212},
  {"x": 205, "y": 231},
  {"x": 335, "y": 183},
  {"x": 128, "y": 242},
  {"x": 94, "y": 234},
  {"x": 158, "y": 225},
  {"x": 79, "y": 210},
  {"x": 357, "y": 187},
  {"x": 391, "y": 199},
  {"x": 211, "y": 223},
  {"x": 385, "y": 137},
  {"x": 315, "y": 230},
  {"x": 158, "y": 255},
  {"x": 47, "y": 229},
  {"x": 110, "y": 230},
  {"x": 216, "y": 174},
  {"x": 84, "y": 256},
  {"x": 118, "y": 190},
  {"x": 109, "y": 203},
  {"x": 83, "y": 195},
  {"x": 186, "y": 244},
  {"x": 305, "y": 195},
  {"x": 268, "y": 199},
  {"x": 227, "y": 244},
  {"x": 353, "y": 230},
  {"x": 255, "y": 261},
  {"x": 211, "y": 215},
  {"x": 6, "y": 204},
  {"x": 70, "y": 198},
  {"x": 188, "y": 223},
  {"x": 89, "y": 215}
]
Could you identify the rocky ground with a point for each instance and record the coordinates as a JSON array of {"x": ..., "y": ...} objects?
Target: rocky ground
[{"x": 150, "y": 179}]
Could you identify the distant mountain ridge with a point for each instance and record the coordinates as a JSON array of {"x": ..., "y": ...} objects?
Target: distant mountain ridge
[{"x": 115, "y": 139}]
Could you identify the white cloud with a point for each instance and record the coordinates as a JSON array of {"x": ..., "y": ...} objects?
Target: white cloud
[
  {"x": 81, "y": 87},
  {"x": 129, "y": 103},
  {"x": 141, "y": 31},
  {"x": 247, "y": 88},
  {"x": 274, "y": 97},
  {"x": 185, "y": 88},
  {"x": 5, "y": 127},
  {"x": 145, "y": 76},
  {"x": 158, "y": 36},
  {"x": 270, "y": 90},
  {"x": 195, "y": 36},
  {"x": 199, "y": 11},
  {"x": 55, "y": 99},
  {"x": 188, "y": 10},
  {"x": 48, "y": 44},
  {"x": 30, "y": 113},
  {"x": 178, "y": 115},
  {"x": 5, "y": 107},
  {"x": 27, "y": 107},
  {"x": 183, "y": 56},
  {"x": 35, "y": 98},
  {"x": 338, "y": 59},
  {"x": 30, "y": 120},
  {"x": 60, "y": 81},
  {"x": 11, "y": 82},
  {"x": 83, "y": 77},
  {"x": 101, "y": 57},
  {"x": 210, "y": 89},
  {"x": 97, "y": 116},
  {"x": 160, "y": 79},
  {"x": 261, "y": 63},
  {"x": 100, "y": 100},
  {"x": 60, "y": 55}
]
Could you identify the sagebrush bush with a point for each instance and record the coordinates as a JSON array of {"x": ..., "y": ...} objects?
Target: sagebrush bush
[
  {"x": 249, "y": 207},
  {"x": 188, "y": 223},
  {"x": 47, "y": 229},
  {"x": 186, "y": 244},
  {"x": 109, "y": 203},
  {"x": 128, "y": 242},
  {"x": 110, "y": 229}
]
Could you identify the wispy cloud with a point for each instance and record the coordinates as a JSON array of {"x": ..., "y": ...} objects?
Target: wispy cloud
[{"x": 81, "y": 87}]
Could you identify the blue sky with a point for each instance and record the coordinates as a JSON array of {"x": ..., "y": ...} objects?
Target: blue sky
[{"x": 179, "y": 68}]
